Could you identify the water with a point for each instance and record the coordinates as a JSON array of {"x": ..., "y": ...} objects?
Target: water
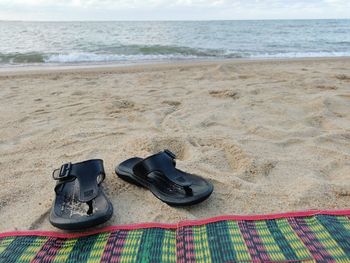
[{"x": 96, "y": 42}]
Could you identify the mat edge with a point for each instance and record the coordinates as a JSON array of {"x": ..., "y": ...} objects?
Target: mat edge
[{"x": 185, "y": 223}]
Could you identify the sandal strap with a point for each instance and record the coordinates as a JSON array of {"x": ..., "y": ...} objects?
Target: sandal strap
[
  {"x": 86, "y": 173},
  {"x": 164, "y": 163}
]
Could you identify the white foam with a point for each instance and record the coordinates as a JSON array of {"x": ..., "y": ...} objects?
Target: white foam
[
  {"x": 92, "y": 57},
  {"x": 301, "y": 55}
]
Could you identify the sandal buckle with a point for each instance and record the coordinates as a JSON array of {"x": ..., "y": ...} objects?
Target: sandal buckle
[
  {"x": 63, "y": 172},
  {"x": 171, "y": 154}
]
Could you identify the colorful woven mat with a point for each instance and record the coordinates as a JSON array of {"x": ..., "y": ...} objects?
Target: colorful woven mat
[{"x": 315, "y": 236}]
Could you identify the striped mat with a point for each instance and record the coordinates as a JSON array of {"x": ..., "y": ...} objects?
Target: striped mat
[{"x": 313, "y": 236}]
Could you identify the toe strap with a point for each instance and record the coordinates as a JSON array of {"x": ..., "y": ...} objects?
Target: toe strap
[{"x": 163, "y": 163}]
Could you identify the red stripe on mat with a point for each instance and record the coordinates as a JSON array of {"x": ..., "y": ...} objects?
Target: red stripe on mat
[{"x": 180, "y": 224}]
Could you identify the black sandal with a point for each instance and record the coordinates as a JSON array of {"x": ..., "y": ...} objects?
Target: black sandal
[
  {"x": 80, "y": 201},
  {"x": 159, "y": 175}
]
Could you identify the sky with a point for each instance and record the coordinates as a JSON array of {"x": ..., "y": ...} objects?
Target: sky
[{"x": 68, "y": 10}]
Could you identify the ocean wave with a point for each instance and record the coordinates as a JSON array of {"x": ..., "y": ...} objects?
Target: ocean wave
[
  {"x": 157, "y": 50},
  {"x": 150, "y": 53},
  {"x": 117, "y": 53},
  {"x": 22, "y": 58}
]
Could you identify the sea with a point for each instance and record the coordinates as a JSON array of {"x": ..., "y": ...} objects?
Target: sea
[{"x": 67, "y": 43}]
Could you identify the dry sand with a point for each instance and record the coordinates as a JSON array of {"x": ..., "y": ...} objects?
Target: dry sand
[{"x": 272, "y": 136}]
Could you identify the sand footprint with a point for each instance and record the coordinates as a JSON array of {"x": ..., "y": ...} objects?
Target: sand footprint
[
  {"x": 117, "y": 106},
  {"x": 224, "y": 94},
  {"x": 337, "y": 174},
  {"x": 170, "y": 121},
  {"x": 337, "y": 106},
  {"x": 316, "y": 121},
  {"x": 219, "y": 72},
  {"x": 230, "y": 158},
  {"x": 342, "y": 77},
  {"x": 40, "y": 220},
  {"x": 171, "y": 103},
  {"x": 326, "y": 87},
  {"x": 78, "y": 93}
]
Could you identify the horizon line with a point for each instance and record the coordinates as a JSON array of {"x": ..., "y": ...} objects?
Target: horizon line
[{"x": 173, "y": 20}]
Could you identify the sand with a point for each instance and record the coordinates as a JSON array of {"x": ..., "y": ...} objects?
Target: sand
[{"x": 272, "y": 136}]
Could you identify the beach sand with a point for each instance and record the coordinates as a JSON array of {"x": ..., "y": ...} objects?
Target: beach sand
[{"x": 272, "y": 136}]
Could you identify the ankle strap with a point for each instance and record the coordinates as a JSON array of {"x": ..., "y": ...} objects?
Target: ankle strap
[{"x": 86, "y": 173}]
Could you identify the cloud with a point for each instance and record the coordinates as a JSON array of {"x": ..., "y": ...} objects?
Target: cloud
[
  {"x": 258, "y": 4},
  {"x": 175, "y": 9}
]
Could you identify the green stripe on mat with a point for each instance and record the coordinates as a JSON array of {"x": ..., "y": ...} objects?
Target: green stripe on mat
[
  {"x": 32, "y": 250},
  {"x": 293, "y": 239},
  {"x": 150, "y": 249},
  {"x": 271, "y": 245},
  {"x": 98, "y": 248},
  {"x": 325, "y": 238},
  {"x": 169, "y": 246},
  {"x": 330, "y": 233},
  {"x": 66, "y": 250},
  {"x": 281, "y": 240},
  {"x": 83, "y": 247},
  {"x": 4, "y": 243},
  {"x": 220, "y": 244},
  {"x": 201, "y": 246},
  {"x": 339, "y": 227},
  {"x": 14, "y": 251},
  {"x": 239, "y": 245},
  {"x": 131, "y": 246}
]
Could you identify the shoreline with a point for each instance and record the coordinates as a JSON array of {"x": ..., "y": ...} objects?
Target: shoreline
[{"x": 100, "y": 67}]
